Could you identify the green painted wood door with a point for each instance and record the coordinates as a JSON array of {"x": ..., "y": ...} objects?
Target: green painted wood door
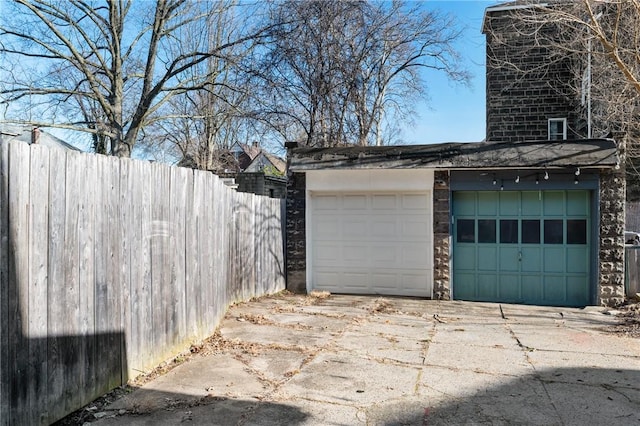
[{"x": 528, "y": 247}]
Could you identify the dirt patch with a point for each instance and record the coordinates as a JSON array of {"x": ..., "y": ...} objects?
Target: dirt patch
[
  {"x": 382, "y": 306},
  {"x": 93, "y": 411},
  {"x": 255, "y": 319},
  {"x": 629, "y": 317}
]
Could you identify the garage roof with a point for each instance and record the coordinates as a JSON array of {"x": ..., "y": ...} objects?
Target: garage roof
[{"x": 585, "y": 153}]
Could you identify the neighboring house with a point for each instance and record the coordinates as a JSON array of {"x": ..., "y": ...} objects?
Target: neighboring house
[
  {"x": 31, "y": 135},
  {"x": 535, "y": 214},
  {"x": 256, "y": 171},
  {"x": 244, "y": 154},
  {"x": 247, "y": 168},
  {"x": 267, "y": 163},
  {"x": 253, "y": 159}
]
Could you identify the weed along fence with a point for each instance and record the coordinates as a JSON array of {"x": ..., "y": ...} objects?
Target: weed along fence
[{"x": 109, "y": 266}]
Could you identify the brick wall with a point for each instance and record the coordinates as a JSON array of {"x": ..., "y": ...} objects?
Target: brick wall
[{"x": 526, "y": 84}]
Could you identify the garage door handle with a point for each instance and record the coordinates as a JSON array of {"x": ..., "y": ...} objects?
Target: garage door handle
[{"x": 519, "y": 256}]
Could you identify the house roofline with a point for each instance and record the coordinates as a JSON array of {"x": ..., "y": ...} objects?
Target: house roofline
[
  {"x": 584, "y": 153},
  {"x": 504, "y": 7}
]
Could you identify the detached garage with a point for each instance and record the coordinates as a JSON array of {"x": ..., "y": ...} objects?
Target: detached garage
[
  {"x": 370, "y": 232},
  {"x": 535, "y": 222}
]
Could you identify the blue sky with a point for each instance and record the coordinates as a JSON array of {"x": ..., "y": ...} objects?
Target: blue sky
[{"x": 455, "y": 113}]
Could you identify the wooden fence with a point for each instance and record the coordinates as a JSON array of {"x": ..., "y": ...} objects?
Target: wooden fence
[
  {"x": 632, "y": 271},
  {"x": 110, "y": 266}
]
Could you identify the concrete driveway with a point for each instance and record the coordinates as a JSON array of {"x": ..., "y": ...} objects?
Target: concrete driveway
[{"x": 348, "y": 360}]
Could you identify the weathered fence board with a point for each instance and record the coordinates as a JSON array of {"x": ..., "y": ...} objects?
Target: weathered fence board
[
  {"x": 632, "y": 270},
  {"x": 58, "y": 375},
  {"x": 86, "y": 199},
  {"x": 37, "y": 291},
  {"x": 109, "y": 266},
  {"x": 179, "y": 187},
  {"x": 4, "y": 284},
  {"x": 632, "y": 216},
  {"x": 20, "y": 397},
  {"x": 125, "y": 224}
]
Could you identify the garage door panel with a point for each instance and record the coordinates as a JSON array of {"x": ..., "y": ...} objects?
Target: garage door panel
[
  {"x": 326, "y": 202},
  {"x": 531, "y": 259},
  {"x": 355, "y": 280},
  {"x": 508, "y": 258},
  {"x": 531, "y": 203},
  {"x": 532, "y": 288},
  {"x": 487, "y": 258},
  {"x": 416, "y": 228},
  {"x": 357, "y": 254},
  {"x": 414, "y": 282},
  {"x": 385, "y": 256},
  {"x": 328, "y": 254},
  {"x": 555, "y": 288},
  {"x": 578, "y": 288},
  {"x": 384, "y": 202},
  {"x": 509, "y": 204},
  {"x": 385, "y": 229},
  {"x": 554, "y": 203},
  {"x": 554, "y": 259},
  {"x": 385, "y": 281},
  {"x": 327, "y": 279},
  {"x": 577, "y": 203},
  {"x": 326, "y": 227},
  {"x": 540, "y": 252},
  {"x": 374, "y": 243},
  {"x": 464, "y": 285},
  {"x": 464, "y": 204},
  {"x": 487, "y": 286},
  {"x": 487, "y": 203},
  {"x": 465, "y": 258},
  {"x": 577, "y": 259},
  {"x": 413, "y": 255},
  {"x": 509, "y": 287},
  {"x": 354, "y": 202},
  {"x": 355, "y": 229},
  {"x": 415, "y": 202}
]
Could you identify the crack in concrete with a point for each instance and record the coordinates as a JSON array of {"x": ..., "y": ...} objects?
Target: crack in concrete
[{"x": 536, "y": 376}]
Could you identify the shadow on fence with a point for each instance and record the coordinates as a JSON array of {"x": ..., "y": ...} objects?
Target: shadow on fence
[{"x": 110, "y": 266}]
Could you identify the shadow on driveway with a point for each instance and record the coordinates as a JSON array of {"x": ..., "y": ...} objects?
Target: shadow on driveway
[{"x": 571, "y": 396}]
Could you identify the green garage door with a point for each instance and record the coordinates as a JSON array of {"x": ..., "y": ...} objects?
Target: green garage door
[{"x": 522, "y": 247}]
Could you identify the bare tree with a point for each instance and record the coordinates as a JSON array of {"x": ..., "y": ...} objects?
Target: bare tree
[
  {"x": 338, "y": 71},
  {"x": 106, "y": 67},
  {"x": 199, "y": 127}
]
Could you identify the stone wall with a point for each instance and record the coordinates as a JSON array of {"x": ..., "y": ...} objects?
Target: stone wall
[
  {"x": 526, "y": 84},
  {"x": 296, "y": 248},
  {"x": 441, "y": 237},
  {"x": 611, "y": 255}
]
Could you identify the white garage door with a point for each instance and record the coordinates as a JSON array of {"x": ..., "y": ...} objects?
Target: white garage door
[{"x": 372, "y": 243}]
